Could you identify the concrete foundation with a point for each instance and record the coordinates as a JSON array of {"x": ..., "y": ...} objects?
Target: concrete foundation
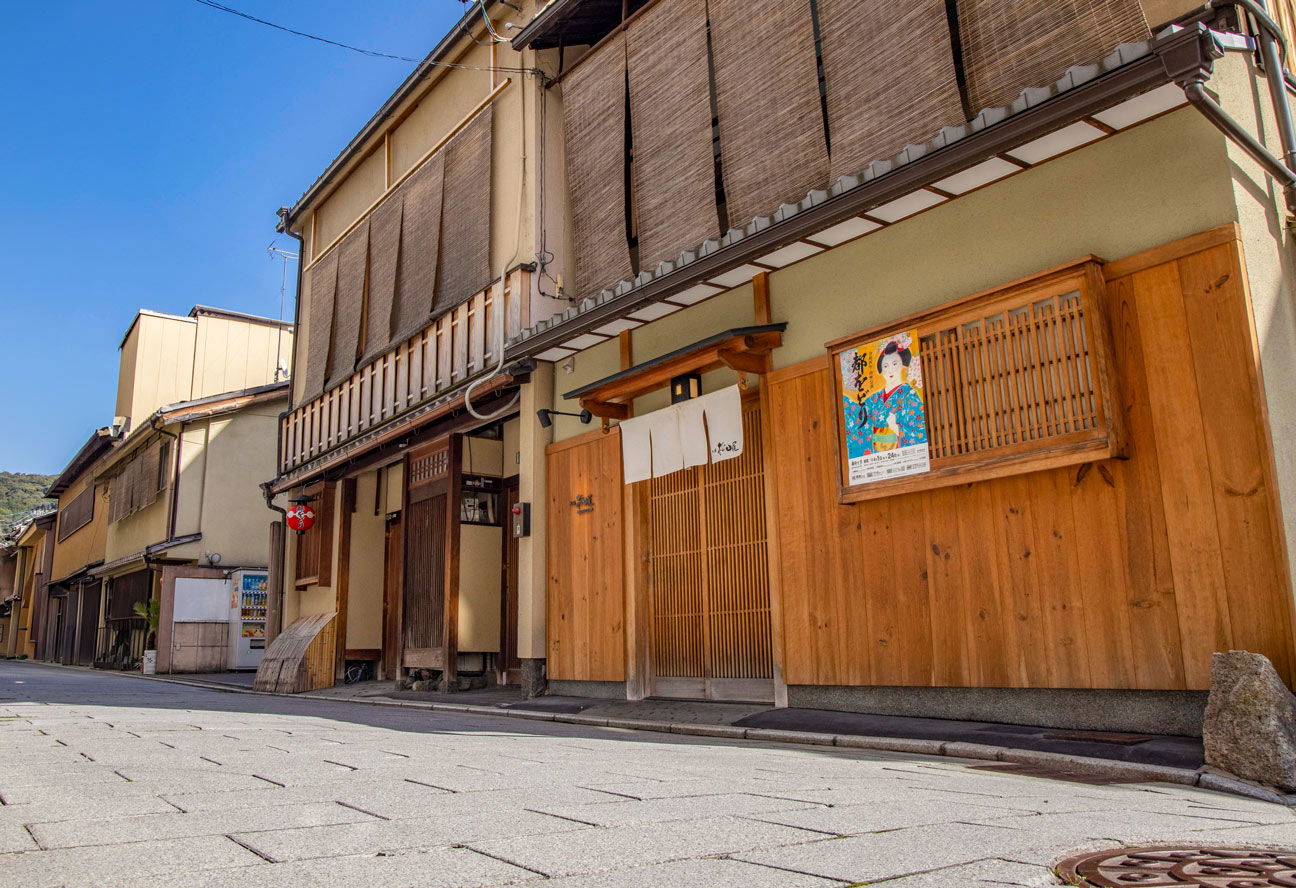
[{"x": 1152, "y": 712}]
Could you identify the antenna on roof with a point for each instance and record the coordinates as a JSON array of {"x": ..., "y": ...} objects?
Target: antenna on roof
[{"x": 281, "y": 364}]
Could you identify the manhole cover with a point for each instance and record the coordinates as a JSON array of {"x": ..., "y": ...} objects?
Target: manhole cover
[{"x": 1153, "y": 867}]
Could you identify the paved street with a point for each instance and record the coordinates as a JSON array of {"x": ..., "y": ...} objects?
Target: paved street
[{"x": 110, "y": 780}]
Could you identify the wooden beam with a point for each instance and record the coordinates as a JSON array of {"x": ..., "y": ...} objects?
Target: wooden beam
[{"x": 761, "y": 298}]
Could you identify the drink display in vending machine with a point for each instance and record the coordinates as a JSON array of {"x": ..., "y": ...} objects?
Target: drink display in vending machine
[{"x": 251, "y": 588}]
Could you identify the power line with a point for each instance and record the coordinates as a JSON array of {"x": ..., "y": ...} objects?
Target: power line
[
  {"x": 252, "y": 18},
  {"x": 369, "y": 52}
]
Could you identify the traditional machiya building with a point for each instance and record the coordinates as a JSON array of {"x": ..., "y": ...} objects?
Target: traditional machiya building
[
  {"x": 409, "y": 440},
  {"x": 34, "y": 550},
  {"x": 72, "y": 595},
  {"x": 937, "y": 353},
  {"x": 10, "y": 601},
  {"x": 184, "y": 521}
]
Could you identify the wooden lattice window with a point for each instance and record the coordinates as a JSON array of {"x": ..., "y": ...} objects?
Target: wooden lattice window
[
  {"x": 138, "y": 481},
  {"x": 1014, "y": 380},
  {"x": 314, "y": 561}
]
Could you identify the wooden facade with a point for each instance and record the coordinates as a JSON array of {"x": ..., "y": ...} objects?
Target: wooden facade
[{"x": 1122, "y": 572}]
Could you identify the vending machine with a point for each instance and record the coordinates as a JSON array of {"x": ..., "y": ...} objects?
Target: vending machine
[{"x": 248, "y": 618}]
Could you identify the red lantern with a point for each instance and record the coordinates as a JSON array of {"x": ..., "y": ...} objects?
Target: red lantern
[{"x": 300, "y": 517}]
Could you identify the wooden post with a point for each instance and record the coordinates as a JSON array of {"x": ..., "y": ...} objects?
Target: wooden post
[
  {"x": 761, "y": 298},
  {"x": 342, "y": 580},
  {"x": 626, "y": 338},
  {"x": 275, "y": 582}
]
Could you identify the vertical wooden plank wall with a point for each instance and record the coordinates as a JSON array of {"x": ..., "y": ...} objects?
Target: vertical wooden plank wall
[
  {"x": 586, "y": 618},
  {"x": 1119, "y": 574}
]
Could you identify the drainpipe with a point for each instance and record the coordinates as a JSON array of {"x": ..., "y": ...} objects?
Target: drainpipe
[
  {"x": 175, "y": 474},
  {"x": 1190, "y": 66}
]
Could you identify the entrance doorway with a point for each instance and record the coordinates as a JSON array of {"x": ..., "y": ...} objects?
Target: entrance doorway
[
  {"x": 429, "y": 613},
  {"x": 709, "y": 630}
]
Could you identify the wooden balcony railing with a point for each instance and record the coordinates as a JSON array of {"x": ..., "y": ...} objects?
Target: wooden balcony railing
[{"x": 454, "y": 348}]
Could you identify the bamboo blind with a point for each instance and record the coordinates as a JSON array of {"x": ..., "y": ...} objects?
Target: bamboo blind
[
  {"x": 348, "y": 303},
  {"x": 670, "y": 110},
  {"x": 137, "y": 482},
  {"x": 76, "y": 514},
  {"x": 772, "y": 139},
  {"x": 384, "y": 248},
  {"x": 709, "y": 583},
  {"x": 463, "y": 263},
  {"x": 419, "y": 246},
  {"x": 594, "y": 100},
  {"x": 1008, "y": 47},
  {"x": 321, "y": 285},
  {"x": 890, "y": 78}
]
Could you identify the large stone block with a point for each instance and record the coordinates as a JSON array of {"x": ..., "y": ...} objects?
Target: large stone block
[{"x": 1250, "y": 727}]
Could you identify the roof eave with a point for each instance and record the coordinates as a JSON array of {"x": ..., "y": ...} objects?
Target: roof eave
[{"x": 1137, "y": 76}]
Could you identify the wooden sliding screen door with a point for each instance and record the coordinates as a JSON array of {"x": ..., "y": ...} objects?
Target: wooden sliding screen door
[
  {"x": 708, "y": 591},
  {"x": 429, "y": 611}
]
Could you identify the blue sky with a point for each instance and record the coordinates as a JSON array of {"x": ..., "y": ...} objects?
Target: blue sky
[{"x": 147, "y": 144}]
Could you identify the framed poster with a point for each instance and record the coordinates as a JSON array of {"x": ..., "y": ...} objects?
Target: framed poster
[{"x": 883, "y": 409}]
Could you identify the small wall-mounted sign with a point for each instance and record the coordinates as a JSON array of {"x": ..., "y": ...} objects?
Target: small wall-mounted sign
[{"x": 584, "y": 503}]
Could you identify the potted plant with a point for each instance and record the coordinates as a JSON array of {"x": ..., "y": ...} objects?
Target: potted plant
[{"x": 151, "y": 613}]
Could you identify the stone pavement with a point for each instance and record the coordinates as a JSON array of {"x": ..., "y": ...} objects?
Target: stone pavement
[{"x": 114, "y": 781}]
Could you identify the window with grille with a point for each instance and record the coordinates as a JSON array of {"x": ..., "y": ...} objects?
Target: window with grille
[
  {"x": 1015, "y": 380},
  {"x": 314, "y": 564}
]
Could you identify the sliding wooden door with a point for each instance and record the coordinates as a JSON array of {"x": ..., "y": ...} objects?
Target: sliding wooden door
[
  {"x": 708, "y": 590},
  {"x": 430, "y": 585}
]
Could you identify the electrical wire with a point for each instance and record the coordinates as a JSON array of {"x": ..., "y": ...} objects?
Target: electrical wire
[{"x": 212, "y": 4}]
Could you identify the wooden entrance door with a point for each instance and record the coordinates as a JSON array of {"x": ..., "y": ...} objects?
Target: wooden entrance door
[
  {"x": 430, "y": 585},
  {"x": 87, "y": 635},
  {"x": 708, "y": 578}
]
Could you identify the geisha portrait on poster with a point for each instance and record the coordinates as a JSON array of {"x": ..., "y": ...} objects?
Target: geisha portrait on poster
[{"x": 884, "y": 414}]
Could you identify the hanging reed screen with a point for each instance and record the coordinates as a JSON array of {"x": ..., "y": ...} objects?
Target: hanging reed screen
[{"x": 1015, "y": 380}]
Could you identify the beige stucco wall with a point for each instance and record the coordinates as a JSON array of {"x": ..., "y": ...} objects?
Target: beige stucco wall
[
  {"x": 240, "y": 455},
  {"x": 365, "y": 580},
  {"x": 230, "y": 355},
  {"x": 156, "y": 366},
  {"x": 1157, "y": 182},
  {"x": 1271, "y": 270},
  {"x": 131, "y": 534}
]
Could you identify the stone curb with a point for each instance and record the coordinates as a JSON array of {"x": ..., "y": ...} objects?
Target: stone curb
[{"x": 1206, "y": 777}]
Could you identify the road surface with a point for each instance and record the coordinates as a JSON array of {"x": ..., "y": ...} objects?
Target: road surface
[{"x": 118, "y": 781}]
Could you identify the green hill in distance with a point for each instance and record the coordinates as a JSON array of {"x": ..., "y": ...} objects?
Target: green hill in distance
[{"x": 19, "y": 492}]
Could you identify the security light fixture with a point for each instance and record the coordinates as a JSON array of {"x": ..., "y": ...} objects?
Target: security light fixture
[{"x": 545, "y": 415}]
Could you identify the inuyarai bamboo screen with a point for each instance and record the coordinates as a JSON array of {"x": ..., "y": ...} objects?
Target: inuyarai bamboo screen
[{"x": 1012, "y": 381}]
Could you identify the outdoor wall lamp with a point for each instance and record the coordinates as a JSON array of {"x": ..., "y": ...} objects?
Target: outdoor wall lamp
[
  {"x": 545, "y": 415},
  {"x": 685, "y": 387}
]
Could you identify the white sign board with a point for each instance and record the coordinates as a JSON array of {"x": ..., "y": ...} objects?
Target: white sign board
[{"x": 201, "y": 600}]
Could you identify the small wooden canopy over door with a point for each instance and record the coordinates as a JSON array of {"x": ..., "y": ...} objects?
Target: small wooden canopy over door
[
  {"x": 429, "y": 612},
  {"x": 708, "y": 577}
]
